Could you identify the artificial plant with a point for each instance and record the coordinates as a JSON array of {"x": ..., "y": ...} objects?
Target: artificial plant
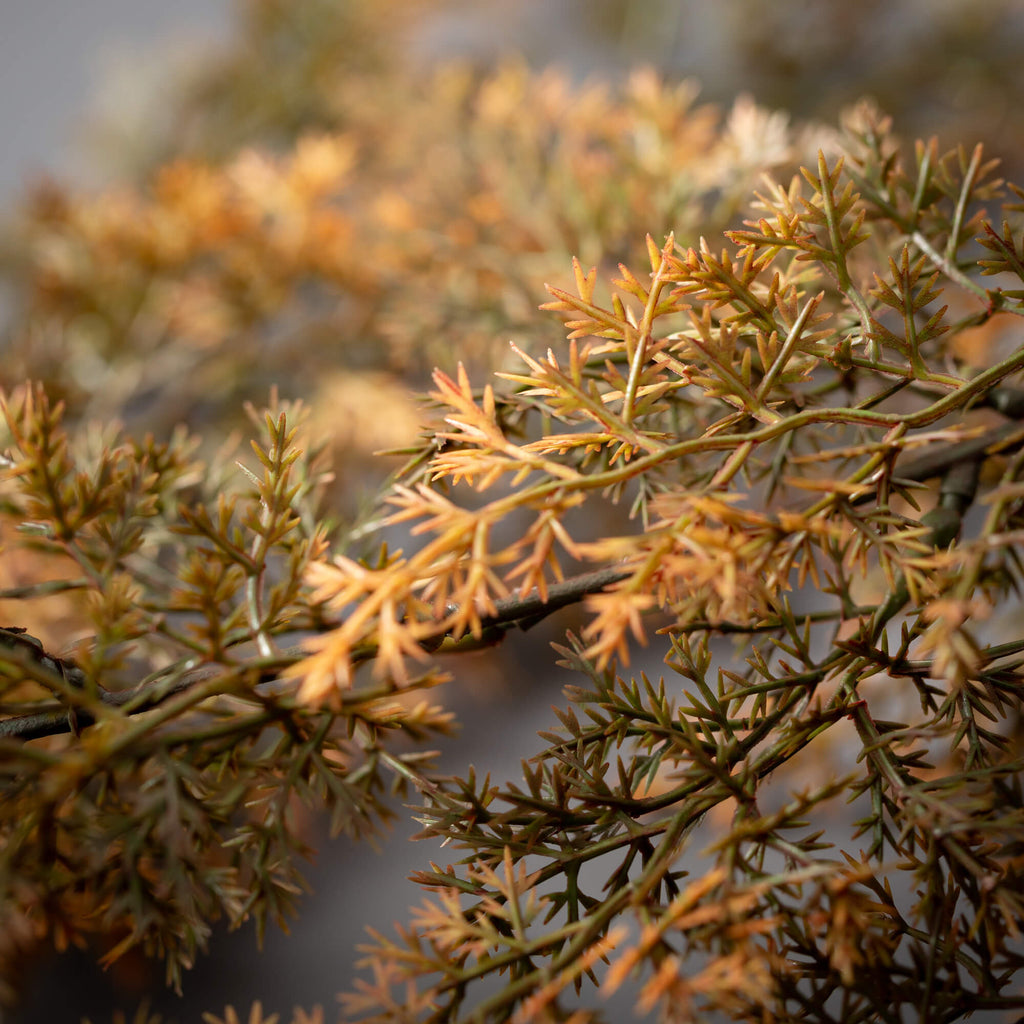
[{"x": 726, "y": 451}]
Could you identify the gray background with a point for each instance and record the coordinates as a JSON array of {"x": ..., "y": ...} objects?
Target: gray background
[{"x": 57, "y": 58}]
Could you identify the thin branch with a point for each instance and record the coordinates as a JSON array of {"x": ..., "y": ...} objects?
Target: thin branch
[
  {"x": 512, "y": 613},
  {"x": 1004, "y": 438}
]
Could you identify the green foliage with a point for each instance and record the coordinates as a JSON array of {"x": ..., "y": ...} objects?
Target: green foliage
[{"x": 722, "y": 450}]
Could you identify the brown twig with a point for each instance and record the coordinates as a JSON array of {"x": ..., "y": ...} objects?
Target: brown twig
[{"x": 512, "y": 612}]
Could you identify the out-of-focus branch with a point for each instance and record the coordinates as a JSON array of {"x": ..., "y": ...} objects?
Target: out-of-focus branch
[{"x": 935, "y": 462}]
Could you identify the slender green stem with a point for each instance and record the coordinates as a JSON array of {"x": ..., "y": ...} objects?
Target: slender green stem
[
  {"x": 788, "y": 346},
  {"x": 947, "y": 266},
  {"x": 644, "y": 334}
]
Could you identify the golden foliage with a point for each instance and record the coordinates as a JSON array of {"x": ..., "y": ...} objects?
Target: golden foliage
[{"x": 724, "y": 427}]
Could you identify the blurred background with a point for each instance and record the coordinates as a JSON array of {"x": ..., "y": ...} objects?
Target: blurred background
[
  {"x": 73, "y": 73},
  {"x": 445, "y": 184}
]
